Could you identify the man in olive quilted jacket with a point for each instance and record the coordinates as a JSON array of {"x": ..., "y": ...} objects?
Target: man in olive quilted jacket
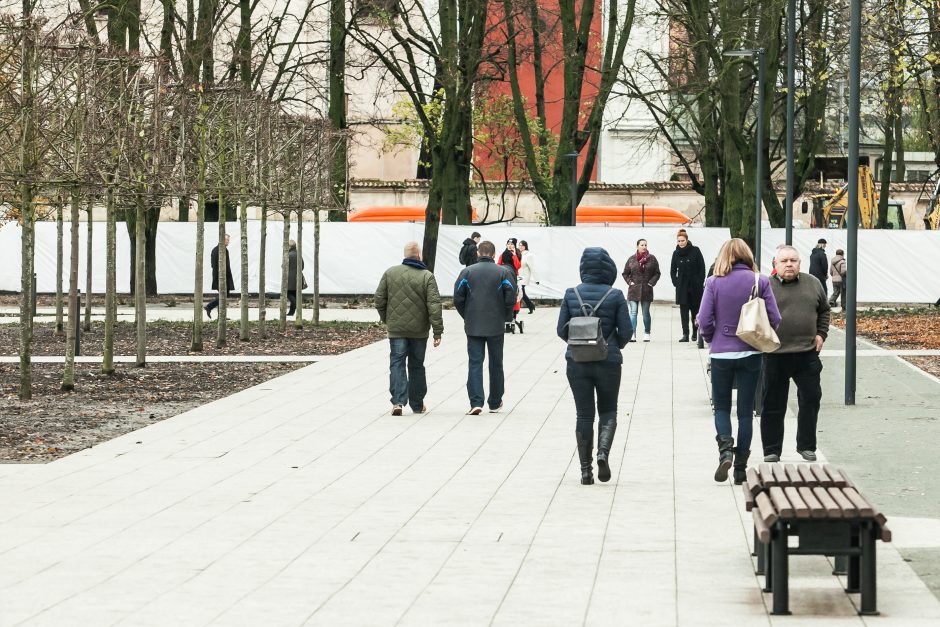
[{"x": 409, "y": 303}]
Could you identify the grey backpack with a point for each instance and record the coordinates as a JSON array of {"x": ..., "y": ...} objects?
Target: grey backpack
[{"x": 585, "y": 334}]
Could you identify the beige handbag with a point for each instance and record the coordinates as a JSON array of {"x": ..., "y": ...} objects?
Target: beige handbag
[{"x": 754, "y": 325}]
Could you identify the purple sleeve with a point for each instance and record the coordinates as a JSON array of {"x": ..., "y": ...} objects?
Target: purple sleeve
[
  {"x": 706, "y": 311},
  {"x": 773, "y": 313}
]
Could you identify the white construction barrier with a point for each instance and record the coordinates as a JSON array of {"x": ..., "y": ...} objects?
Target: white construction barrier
[{"x": 353, "y": 255}]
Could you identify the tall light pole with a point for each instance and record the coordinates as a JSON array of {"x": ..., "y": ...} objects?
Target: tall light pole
[
  {"x": 574, "y": 186},
  {"x": 855, "y": 46},
  {"x": 791, "y": 88},
  {"x": 759, "y": 170}
]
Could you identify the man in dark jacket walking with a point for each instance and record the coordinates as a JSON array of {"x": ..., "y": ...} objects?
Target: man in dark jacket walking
[
  {"x": 485, "y": 296},
  {"x": 819, "y": 264},
  {"x": 804, "y": 326},
  {"x": 229, "y": 281},
  {"x": 292, "y": 276},
  {"x": 409, "y": 302},
  {"x": 468, "y": 252}
]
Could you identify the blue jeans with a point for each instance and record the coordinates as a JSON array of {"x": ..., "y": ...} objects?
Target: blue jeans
[
  {"x": 725, "y": 372},
  {"x": 647, "y": 320},
  {"x": 476, "y": 346},
  {"x": 407, "y": 384}
]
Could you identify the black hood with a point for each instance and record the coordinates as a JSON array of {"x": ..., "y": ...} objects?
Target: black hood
[
  {"x": 468, "y": 241},
  {"x": 597, "y": 267}
]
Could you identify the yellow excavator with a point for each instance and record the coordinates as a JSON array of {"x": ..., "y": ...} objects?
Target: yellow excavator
[{"x": 831, "y": 210}]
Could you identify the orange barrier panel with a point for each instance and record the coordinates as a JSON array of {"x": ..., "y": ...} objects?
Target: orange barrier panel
[
  {"x": 393, "y": 213},
  {"x": 652, "y": 214}
]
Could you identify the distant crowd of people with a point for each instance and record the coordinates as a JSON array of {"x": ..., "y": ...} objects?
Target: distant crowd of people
[{"x": 597, "y": 321}]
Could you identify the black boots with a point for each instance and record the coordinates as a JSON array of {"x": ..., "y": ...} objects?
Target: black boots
[
  {"x": 740, "y": 466},
  {"x": 725, "y": 456},
  {"x": 605, "y": 438},
  {"x": 684, "y": 338},
  {"x": 585, "y": 450},
  {"x": 694, "y": 332}
]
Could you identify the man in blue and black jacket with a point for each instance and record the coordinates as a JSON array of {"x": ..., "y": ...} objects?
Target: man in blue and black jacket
[{"x": 485, "y": 296}]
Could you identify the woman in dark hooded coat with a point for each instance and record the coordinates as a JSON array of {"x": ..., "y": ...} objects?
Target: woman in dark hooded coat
[
  {"x": 598, "y": 273},
  {"x": 688, "y": 276}
]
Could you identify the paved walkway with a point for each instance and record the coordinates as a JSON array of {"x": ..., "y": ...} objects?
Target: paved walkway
[{"x": 302, "y": 501}]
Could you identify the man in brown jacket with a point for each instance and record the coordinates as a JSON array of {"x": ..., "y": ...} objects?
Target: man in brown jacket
[{"x": 837, "y": 271}]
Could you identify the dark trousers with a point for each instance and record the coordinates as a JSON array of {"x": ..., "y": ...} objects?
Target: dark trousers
[
  {"x": 213, "y": 304},
  {"x": 838, "y": 293},
  {"x": 684, "y": 311},
  {"x": 804, "y": 369},
  {"x": 600, "y": 378},
  {"x": 407, "y": 381},
  {"x": 292, "y": 299},
  {"x": 526, "y": 301},
  {"x": 476, "y": 348},
  {"x": 725, "y": 373}
]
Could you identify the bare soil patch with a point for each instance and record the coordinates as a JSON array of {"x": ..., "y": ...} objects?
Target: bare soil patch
[
  {"x": 903, "y": 329},
  {"x": 56, "y": 423}
]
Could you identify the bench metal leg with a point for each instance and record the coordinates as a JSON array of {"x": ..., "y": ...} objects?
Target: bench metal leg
[
  {"x": 760, "y": 552},
  {"x": 869, "y": 582},
  {"x": 853, "y": 574},
  {"x": 841, "y": 566},
  {"x": 779, "y": 567}
]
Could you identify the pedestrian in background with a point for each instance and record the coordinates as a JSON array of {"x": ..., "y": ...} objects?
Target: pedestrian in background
[
  {"x": 688, "y": 276},
  {"x": 802, "y": 333},
  {"x": 600, "y": 378},
  {"x": 468, "y": 251},
  {"x": 409, "y": 303},
  {"x": 485, "y": 296},
  {"x": 510, "y": 260},
  {"x": 819, "y": 264},
  {"x": 527, "y": 274},
  {"x": 229, "y": 281},
  {"x": 732, "y": 359},
  {"x": 837, "y": 272},
  {"x": 641, "y": 273},
  {"x": 292, "y": 276}
]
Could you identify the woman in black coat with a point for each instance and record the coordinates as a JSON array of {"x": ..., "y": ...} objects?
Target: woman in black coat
[
  {"x": 688, "y": 277},
  {"x": 598, "y": 273},
  {"x": 229, "y": 281}
]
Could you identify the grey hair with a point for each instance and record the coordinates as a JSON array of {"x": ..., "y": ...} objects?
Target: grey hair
[
  {"x": 788, "y": 247},
  {"x": 412, "y": 250}
]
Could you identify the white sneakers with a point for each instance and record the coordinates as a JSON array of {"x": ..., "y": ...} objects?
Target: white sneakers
[{"x": 646, "y": 337}]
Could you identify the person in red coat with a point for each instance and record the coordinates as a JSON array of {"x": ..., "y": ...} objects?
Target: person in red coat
[{"x": 510, "y": 259}]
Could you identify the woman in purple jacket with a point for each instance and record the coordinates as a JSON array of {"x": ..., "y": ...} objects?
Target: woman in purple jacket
[{"x": 732, "y": 358}]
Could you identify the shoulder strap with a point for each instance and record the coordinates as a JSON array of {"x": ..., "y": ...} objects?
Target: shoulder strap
[
  {"x": 606, "y": 294},
  {"x": 756, "y": 289}
]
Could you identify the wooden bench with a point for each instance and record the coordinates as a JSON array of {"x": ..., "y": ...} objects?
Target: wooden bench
[{"x": 819, "y": 505}]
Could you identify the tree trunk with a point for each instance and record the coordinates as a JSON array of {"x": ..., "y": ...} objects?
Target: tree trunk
[
  {"x": 900, "y": 167},
  {"x": 222, "y": 331},
  {"x": 432, "y": 224},
  {"x": 140, "y": 274},
  {"x": 197, "y": 280},
  {"x": 68, "y": 377},
  {"x": 86, "y": 326},
  {"x": 285, "y": 247},
  {"x": 110, "y": 294},
  {"x": 337, "y": 110},
  {"x": 59, "y": 262},
  {"x": 27, "y": 259},
  {"x": 886, "y": 159},
  {"x": 316, "y": 268},
  {"x": 244, "y": 329},
  {"x": 299, "y": 314},
  {"x": 262, "y": 265}
]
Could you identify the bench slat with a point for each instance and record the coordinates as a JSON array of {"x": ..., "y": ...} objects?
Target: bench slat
[
  {"x": 865, "y": 510},
  {"x": 885, "y": 532},
  {"x": 806, "y": 473},
  {"x": 832, "y": 508},
  {"x": 800, "y": 506},
  {"x": 753, "y": 484},
  {"x": 848, "y": 509},
  {"x": 767, "y": 475},
  {"x": 766, "y": 510},
  {"x": 822, "y": 478},
  {"x": 780, "y": 474},
  {"x": 748, "y": 498},
  {"x": 763, "y": 531},
  {"x": 781, "y": 504},
  {"x": 836, "y": 475},
  {"x": 794, "y": 477},
  {"x": 816, "y": 509}
]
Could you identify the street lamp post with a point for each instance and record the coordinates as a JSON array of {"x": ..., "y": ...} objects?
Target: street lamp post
[
  {"x": 851, "y": 280},
  {"x": 574, "y": 186},
  {"x": 791, "y": 88},
  {"x": 759, "y": 170}
]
